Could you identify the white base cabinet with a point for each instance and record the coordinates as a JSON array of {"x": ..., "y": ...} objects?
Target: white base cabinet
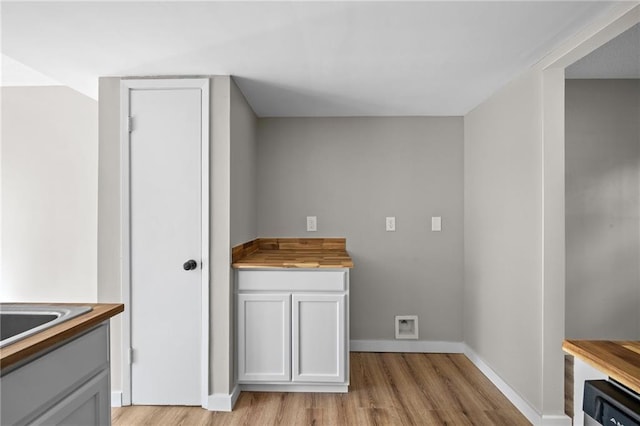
[
  {"x": 292, "y": 330},
  {"x": 68, "y": 385}
]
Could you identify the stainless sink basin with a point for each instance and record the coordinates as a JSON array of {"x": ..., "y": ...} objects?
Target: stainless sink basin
[{"x": 18, "y": 321}]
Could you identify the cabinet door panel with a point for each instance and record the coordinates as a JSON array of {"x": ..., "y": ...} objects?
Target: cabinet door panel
[
  {"x": 319, "y": 338},
  {"x": 88, "y": 405},
  {"x": 264, "y": 337}
]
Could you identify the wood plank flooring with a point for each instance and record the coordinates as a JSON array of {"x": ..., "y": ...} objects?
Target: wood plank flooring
[
  {"x": 568, "y": 385},
  {"x": 386, "y": 389}
]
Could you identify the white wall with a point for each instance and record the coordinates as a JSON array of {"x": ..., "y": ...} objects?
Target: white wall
[
  {"x": 353, "y": 172},
  {"x": 49, "y": 195},
  {"x": 603, "y": 209}
]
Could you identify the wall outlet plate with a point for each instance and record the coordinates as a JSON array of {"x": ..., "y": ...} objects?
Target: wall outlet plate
[
  {"x": 407, "y": 327},
  {"x": 312, "y": 223},
  {"x": 390, "y": 223}
]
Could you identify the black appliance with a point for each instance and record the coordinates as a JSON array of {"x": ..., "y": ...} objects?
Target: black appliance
[{"x": 607, "y": 402}]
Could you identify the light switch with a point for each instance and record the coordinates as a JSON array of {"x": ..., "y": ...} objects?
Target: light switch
[
  {"x": 390, "y": 223},
  {"x": 436, "y": 223},
  {"x": 312, "y": 223}
]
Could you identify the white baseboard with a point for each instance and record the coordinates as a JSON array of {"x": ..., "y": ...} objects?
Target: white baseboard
[
  {"x": 421, "y": 346},
  {"x": 556, "y": 420},
  {"x": 514, "y": 397},
  {"x": 521, "y": 404},
  {"x": 116, "y": 398},
  {"x": 223, "y": 401}
]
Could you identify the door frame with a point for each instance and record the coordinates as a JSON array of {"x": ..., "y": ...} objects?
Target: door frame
[{"x": 126, "y": 85}]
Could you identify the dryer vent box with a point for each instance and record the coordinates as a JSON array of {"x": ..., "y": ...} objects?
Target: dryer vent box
[{"x": 407, "y": 327}]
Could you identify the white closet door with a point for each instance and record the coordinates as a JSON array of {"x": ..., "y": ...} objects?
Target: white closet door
[{"x": 165, "y": 215}]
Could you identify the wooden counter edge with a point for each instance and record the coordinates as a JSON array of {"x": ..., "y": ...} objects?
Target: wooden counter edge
[
  {"x": 247, "y": 256},
  {"x": 45, "y": 339},
  {"x": 258, "y": 265},
  {"x": 244, "y": 250},
  {"x": 573, "y": 348}
]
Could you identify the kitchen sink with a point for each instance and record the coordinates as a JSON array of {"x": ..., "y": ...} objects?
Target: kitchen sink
[{"x": 18, "y": 321}]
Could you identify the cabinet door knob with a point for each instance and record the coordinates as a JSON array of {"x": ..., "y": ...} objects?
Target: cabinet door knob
[{"x": 190, "y": 264}]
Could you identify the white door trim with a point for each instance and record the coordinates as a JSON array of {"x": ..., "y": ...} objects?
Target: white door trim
[{"x": 125, "y": 255}]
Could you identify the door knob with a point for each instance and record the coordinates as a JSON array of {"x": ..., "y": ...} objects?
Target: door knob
[{"x": 190, "y": 264}]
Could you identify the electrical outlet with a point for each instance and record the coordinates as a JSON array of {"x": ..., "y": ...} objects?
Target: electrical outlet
[
  {"x": 436, "y": 223},
  {"x": 390, "y": 224},
  {"x": 312, "y": 223}
]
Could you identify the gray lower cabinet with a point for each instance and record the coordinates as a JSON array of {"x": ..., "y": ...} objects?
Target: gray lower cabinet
[{"x": 67, "y": 385}]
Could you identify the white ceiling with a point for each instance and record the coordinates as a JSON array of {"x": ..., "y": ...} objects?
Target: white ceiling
[
  {"x": 300, "y": 58},
  {"x": 619, "y": 58}
]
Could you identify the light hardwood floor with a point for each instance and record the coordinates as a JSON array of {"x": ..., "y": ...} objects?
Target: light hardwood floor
[
  {"x": 386, "y": 389},
  {"x": 568, "y": 385}
]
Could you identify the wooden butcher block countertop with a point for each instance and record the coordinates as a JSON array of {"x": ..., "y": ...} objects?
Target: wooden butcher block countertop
[
  {"x": 31, "y": 345},
  {"x": 619, "y": 360},
  {"x": 292, "y": 253}
]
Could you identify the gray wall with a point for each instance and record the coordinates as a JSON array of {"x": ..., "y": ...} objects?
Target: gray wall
[
  {"x": 243, "y": 195},
  {"x": 353, "y": 172},
  {"x": 503, "y": 300},
  {"x": 514, "y": 245},
  {"x": 109, "y": 283},
  {"x": 602, "y": 208},
  {"x": 244, "y": 152},
  {"x": 220, "y": 333},
  {"x": 49, "y": 199}
]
